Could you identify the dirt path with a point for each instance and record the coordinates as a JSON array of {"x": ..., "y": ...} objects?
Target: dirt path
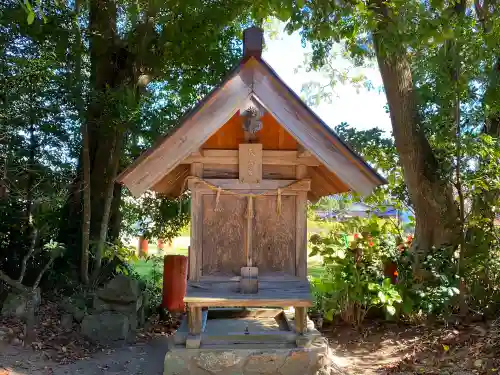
[
  {"x": 399, "y": 349},
  {"x": 140, "y": 359},
  {"x": 378, "y": 349}
]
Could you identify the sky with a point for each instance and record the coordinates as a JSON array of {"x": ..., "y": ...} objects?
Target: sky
[{"x": 363, "y": 109}]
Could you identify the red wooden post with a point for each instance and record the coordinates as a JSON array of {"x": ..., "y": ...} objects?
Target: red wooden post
[
  {"x": 143, "y": 246},
  {"x": 174, "y": 282}
]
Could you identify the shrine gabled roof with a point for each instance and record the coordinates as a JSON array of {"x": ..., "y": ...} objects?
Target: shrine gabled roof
[{"x": 251, "y": 78}]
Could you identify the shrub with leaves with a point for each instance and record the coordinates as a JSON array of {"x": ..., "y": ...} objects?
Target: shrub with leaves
[
  {"x": 432, "y": 287},
  {"x": 354, "y": 281}
]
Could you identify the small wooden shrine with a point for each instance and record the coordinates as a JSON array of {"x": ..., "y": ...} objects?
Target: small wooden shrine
[{"x": 252, "y": 154}]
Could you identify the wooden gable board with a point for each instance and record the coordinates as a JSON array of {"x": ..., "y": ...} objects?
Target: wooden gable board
[
  {"x": 222, "y": 104},
  {"x": 253, "y": 78},
  {"x": 277, "y": 99}
]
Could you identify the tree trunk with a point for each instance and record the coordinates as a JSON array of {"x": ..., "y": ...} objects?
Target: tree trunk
[
  {"x": 431, "y": 195},
  {"x": 111, "y": 72},
  {"x": 113, "y": 69},
  {"x": 115, "y": 217},
  {"x": 31, "y": 173},
  {"x": 84, "y": 264},
  {"x": 115, "y": 160}
]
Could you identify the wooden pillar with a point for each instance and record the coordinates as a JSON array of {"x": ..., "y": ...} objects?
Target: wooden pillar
[
  {"x": 195, "y": 253},
  {"x": 143, "y": 247},
  {"x": 195, "y": 320},
  {"x": 301, "y": 226},
  {"x": 301, "y": 246},
  {"x": 249, "y": 234},
  {"x": 196, "y": 227},
  {"x": 300, "y": 320}
]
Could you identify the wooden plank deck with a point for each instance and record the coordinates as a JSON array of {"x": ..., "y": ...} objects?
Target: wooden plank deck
[{"x": 271, "y": 293}]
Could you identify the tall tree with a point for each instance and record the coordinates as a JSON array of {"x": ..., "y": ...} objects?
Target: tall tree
[
  {"x": 403, "y": 36},
  {"x": 124, "y": 72}
]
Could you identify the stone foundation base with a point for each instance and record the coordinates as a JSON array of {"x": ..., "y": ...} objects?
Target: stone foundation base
[{"x": 250, "y": 359}]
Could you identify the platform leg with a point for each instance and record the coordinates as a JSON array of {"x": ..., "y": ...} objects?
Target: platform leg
[
  {"x": 194, "y": 320},
  {"x": 300, "y": 320}
]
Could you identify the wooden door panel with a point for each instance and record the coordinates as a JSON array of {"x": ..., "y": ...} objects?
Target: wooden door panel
[
  {"x": 223, "y": 235},
  {"x": 273, "y": 240}
]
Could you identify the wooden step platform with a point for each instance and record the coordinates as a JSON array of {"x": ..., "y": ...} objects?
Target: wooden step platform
[{"x": 271, "y": 293}]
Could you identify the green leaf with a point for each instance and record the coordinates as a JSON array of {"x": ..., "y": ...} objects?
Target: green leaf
[
  {"x": 31, "y": 17},
  {"x": 329, "y": 315},
  {"x": 391, "y": 309},
  {"x": 387, "y": 283},
  {"x": 382, "y": 296},
  {"x": 407, "y": 305}
]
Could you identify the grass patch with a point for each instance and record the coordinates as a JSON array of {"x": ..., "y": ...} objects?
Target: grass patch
[
  {"x": 314, "y": 264},
  {"x": 315, "y": 269},
  {"x": 144, "y": 267},
  {"x": 319, "y": 226}
]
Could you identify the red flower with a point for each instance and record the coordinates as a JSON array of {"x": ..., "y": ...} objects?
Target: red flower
[
  {"x": 356, "y": 236},
  {"x": 370, "y": 243},
  {"x": 409, "y": 238}
]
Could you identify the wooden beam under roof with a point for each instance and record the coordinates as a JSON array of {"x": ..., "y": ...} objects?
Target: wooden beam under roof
[{"x": 269, "y": 157}]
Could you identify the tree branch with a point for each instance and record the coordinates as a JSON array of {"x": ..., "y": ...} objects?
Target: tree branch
[
  {"x": 42, "y": 272},
  {"x": 14, "y": 283},
  {"x": 34, "y": 239}
]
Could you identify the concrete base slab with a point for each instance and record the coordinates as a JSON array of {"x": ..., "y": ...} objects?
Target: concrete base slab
[{"x": 249, "y": 359}]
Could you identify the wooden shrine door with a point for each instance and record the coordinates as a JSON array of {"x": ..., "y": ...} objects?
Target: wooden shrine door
[
  {"x": 273, "y": 235},
  {"x": 223, "y": 231}
]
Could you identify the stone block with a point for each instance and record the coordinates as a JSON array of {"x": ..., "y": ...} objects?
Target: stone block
[
  {"x": 6, "y": 333},
  {"x": 74, "y": 306},
  {"x": 134, "y": 310},
  {"x": 193, "y": 341},
  {"x": 67, "y": 321},
  {"x": 297, "y": 363},
  {"x": 121, "y": 289},
  {"x": 266, "y": 362},
  {"x": 105, "y": 327},
  {"x": 250, "y": 359},
  {"x": 219, "y": 361},
  {"x": 174, "y": 365},
  {"x": 15, "y": 303}
]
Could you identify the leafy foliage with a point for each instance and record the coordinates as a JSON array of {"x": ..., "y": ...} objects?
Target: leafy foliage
[
  {"x": 374, "y": 268},
  {"x": 128, "y": 70},
  {"x": 354, "y": 279}
]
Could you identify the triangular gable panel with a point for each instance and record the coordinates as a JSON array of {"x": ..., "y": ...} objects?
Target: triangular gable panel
[
  {"x": 254, "y": 78},
  {"x": 306, "y": 127},
  {"x": 272, "y": 136},
  {"x": 197, "y": 126}
]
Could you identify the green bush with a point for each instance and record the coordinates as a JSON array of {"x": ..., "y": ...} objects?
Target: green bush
[
  {"x": 369, "y": 264},
  {"x": 432, "y": 288},
  {"x": 354, "y": 279}
]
